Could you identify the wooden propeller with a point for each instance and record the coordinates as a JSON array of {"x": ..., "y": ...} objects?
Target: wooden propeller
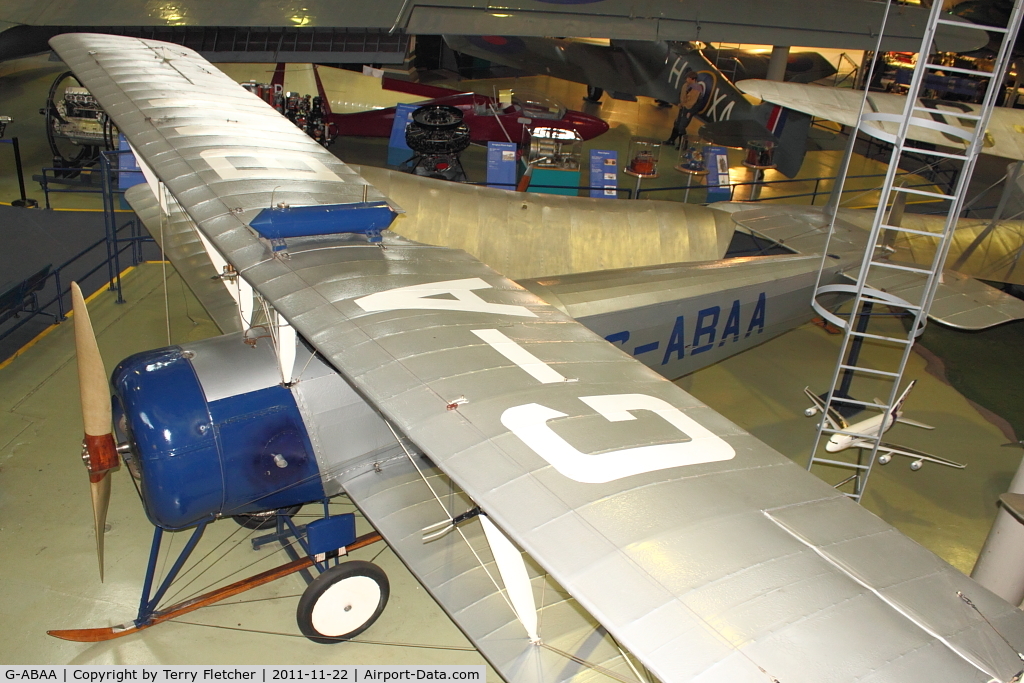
[{"x": 98, "y": 449}]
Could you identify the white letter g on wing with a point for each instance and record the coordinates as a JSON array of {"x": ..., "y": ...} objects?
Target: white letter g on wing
[{"x": 529, "y": 423}]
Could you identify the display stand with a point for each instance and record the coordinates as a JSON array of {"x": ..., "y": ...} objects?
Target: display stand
[
  {"x": 691, "y": 162},
  {"x": 760, "y": 157},
  {"x": 554, "y": 156},
  {"x": 643, "y": 158}
]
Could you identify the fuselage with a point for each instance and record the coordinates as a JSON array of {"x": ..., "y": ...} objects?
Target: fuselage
[{"x": 878, "y": 424}]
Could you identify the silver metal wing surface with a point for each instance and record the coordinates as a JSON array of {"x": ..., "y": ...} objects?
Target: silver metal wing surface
[{"x": 706, "y": 554}]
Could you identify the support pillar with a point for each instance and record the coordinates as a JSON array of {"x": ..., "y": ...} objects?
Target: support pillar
[
  {"x": 777, "y": 63},
  {"x": 1000, "y": 565}
]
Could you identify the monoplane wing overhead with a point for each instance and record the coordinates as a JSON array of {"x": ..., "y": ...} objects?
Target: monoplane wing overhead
[
  {"x": 706, "y": 554},
  {"x": 843, "y": 24},
  {"x": 1003, "y": 137}
]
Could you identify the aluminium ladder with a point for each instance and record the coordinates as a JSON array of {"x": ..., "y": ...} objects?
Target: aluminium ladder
[{"x": 887, "y": 370}]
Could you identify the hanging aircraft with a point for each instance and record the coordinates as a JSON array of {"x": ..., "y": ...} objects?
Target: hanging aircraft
[
  {"x": 951, "y": 122},
  {"x": 875, "y": 425},
  {"x": 488, "y": 118},
  {"x": 804, "y": 66},
  {"x": 627, "y": 69},
  {"x": 385, "y": 368}
]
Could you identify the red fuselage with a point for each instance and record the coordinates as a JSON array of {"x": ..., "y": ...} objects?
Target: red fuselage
[{"x": 486, "y": 119}]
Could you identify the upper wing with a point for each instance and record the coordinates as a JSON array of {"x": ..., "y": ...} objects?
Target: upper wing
[
  {"x": 1003, "y": 136},
  {"x": 705, "y": 553}
]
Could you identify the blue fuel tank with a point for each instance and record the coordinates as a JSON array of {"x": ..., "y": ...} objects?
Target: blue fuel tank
[{"x": 199, "y": 456}]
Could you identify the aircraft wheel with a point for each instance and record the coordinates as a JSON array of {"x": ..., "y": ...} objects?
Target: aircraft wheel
[
  {"x": 264, "y": 520},
  {"x": 594, "y": 94},
  {"x": 342, "y": 602}
]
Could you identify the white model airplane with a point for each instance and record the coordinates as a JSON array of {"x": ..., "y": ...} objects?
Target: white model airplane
[{"x": 858, "y": 434}]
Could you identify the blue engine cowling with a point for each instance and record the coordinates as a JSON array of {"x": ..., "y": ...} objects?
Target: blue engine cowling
[{"x": 197, "y": 458}]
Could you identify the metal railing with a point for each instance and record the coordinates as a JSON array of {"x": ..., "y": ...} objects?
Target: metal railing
[
  {"x": 133, "y": 240},
  {"x": 114, "y": 239},
  {"x": 813, "y": 194}
]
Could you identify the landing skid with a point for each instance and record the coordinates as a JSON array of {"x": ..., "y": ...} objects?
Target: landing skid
[{"x": 148, "y": 614}]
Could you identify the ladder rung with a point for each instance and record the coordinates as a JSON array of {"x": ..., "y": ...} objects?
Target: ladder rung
[
  {"x": 909, "y": 269},
  {"x": 932, "y": 152},
  {"x": 957, "y": 69},
  {"x": 846, "y": 432},
  {"x": 923, "y": 193},
  {"x": 840, "y": 463},
  {"x": 959, "y": 115},
  {"x": 870, "y": 371},
  {"x": 895, "y": 340},
  {"x": 899, "y": 228},
  {"x": 854, "y": 496},
  {"x": 961, "y": 24},
  {"x": 855, "y": 402}
]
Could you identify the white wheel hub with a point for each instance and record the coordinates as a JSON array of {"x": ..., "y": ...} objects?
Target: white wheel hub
[{"x": 346, "y": 606}]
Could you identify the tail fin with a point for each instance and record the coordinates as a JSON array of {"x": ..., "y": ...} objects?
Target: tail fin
[
  {"x": 321, "y": 92},
  {"x": 895, "y": 411},
  {"x": 278, "y": 80},
  {"x": 791, "y": 127}
]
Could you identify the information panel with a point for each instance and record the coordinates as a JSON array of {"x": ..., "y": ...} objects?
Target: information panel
[
  {"x": 501, "y": 165},
  {"x": 719, "y": 185},
  {"x": 604, "y": 173},
  {"x": 398, "y": 151}
]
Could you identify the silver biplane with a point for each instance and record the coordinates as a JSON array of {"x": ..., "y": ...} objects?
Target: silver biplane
[{"x": 396, "y": 372}]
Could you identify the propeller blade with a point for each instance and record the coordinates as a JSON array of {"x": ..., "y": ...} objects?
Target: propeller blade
[
  {"x": 92, "y": 376},
  {"x": 100, "y": 486},
  {"x": 99, "y": 449}
]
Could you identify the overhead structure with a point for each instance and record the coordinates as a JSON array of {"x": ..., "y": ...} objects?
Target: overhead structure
[
  {"x": 841, "y": 24},
  {"x": 886, "y": 369}
]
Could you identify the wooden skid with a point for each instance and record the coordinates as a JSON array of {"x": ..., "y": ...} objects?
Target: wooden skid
[{"x": 97, "y": 635}]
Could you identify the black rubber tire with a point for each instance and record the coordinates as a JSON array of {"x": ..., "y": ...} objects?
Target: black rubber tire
[
  {"x": 264, "y": 520},
  {"x": 330, "y": 592},
  {"x": 593, "y": 94}
]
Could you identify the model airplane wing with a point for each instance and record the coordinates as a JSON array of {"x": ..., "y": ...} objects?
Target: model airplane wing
[
  {"x": 835, "y": 420},
  {"x": 706, "y": 554},
  {"x": 895, "y": 449},
  {"x": 1003, "y": 137}
]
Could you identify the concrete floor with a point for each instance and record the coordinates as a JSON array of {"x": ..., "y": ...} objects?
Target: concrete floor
[{"x": 45, "y": 522}]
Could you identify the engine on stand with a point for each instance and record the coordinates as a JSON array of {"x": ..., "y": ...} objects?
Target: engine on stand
[
  {"x": 306, "y": 112},
  {"x": 77, "y": 128},
  {"x": 437, "y": 135}
]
